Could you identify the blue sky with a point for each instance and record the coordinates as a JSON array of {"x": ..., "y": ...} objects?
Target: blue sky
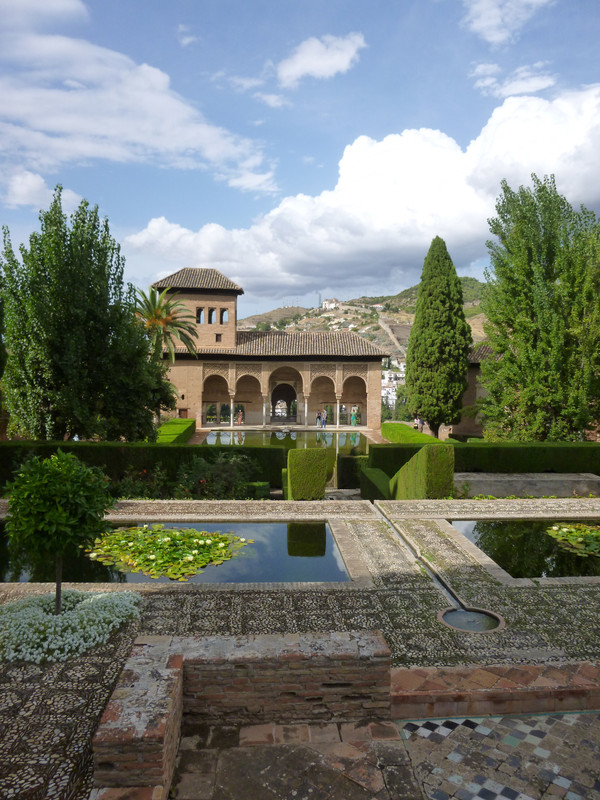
[{"x": 302, "y": 148}]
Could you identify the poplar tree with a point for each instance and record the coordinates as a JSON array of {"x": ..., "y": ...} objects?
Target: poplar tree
[
  {"x": 543, "y": 310},
  {"x": 437, "y": 357},
  {"x": 79, "y": 362}
]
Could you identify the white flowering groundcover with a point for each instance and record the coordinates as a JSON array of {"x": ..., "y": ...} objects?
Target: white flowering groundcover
[{"x": 30, "y": 631}]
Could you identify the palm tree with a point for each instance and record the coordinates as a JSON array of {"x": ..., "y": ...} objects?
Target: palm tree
[{"x": 166, "y": 320}]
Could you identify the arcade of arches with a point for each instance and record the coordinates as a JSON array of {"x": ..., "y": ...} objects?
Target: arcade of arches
[{"x": 268, "y": 393}]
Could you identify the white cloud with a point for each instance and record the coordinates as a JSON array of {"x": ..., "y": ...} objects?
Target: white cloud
[
  {"x": 528, "y": 79},
  {"x": 38, "y": 13},
  {"x": 184, "y": 37},
  {"x": 391, "y": 198},
  {"x": 499, "y": 21},
  {"x": 272, "y": 100},
  {"x": 67, "y": 101},
  {"x": 26, "y": 188},
  {"x": 320, "y": 58}
]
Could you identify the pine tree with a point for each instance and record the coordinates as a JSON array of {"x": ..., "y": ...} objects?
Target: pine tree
[
  {"x": 437, "y": 357},
  {"x": 543, "y": 311}
]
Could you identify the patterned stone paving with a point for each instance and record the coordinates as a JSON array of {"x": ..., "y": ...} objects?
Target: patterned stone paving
[
  {"x": 48, "y": 713},
  {"x": 467, "y": 758}
]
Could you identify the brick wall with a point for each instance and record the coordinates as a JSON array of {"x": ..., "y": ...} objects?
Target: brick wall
[
  {"x": 292, "y": 678},
  {"x": 288, "y": 678}
]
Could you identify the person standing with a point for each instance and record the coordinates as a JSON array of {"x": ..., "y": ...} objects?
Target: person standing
[
  {"x": 324, "y": 418},
  {"x": 318, "y": 418}
]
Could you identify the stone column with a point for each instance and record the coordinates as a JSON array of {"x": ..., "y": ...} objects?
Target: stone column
[{"x": 231, "y": 399}]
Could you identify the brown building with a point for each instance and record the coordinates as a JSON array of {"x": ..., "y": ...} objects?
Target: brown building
[{"x": 273, "y": 377}]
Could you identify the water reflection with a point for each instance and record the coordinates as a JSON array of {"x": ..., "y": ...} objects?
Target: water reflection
[
  {"x": 306, "y": 539},
  {"x": 524, "y": 549}
]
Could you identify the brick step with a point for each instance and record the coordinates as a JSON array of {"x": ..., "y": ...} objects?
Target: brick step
[{"x": 418, "y": 693}]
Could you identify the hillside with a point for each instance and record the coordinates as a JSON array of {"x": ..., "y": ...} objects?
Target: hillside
[{"x": 388, "y": 326}]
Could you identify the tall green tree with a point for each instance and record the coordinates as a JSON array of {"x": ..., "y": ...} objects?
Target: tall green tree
[
  {"x": 166, "y": 320},
  {"x": 437, "y": 357},
  {"x": 72, "y": 336},
  {"x": 543, "y": 311}
]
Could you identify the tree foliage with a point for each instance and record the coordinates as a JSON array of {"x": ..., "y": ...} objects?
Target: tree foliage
[
  {"x": 79, "y": 362},
  {"x": 57, "y": 506},
  {"x": 543, "y": 311},
  {"x": 437, "y": 357},
  {"x": 166, "y": 320}
]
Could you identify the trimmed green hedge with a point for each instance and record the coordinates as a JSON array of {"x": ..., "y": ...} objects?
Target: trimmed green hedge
[
  {"x": 176, "y": 431},
  {"x": 306, "y": 474},
  {"x": 258, "y": 490},
  {"x": 405, "y": 434},
  {"x": 348, "y": 470},
  {"x": 527, "y": 457},
  {"x": 428, "y": 475},
  {"x": 374, "y": 484},
  {"x": 115, "y": 458},
  {"x": 390, "y": 457}
]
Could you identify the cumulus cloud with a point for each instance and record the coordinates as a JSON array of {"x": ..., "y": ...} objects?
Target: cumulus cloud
[
  {"x": 67, "y": 101},
  {"x": 320, "y": 58},
  {"x": 391, "y": 198},
  {"x": 272, "y": 100},
  {"x": 26, "y": 188},
  {"x": 528, "y": 79},
  {"x": 499, "y": 21}
]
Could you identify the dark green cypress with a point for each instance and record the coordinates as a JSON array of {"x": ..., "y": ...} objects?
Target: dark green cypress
[{"x": 437, "y": 358}]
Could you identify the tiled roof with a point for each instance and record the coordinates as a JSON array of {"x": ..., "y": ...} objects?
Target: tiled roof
[
  {"x": 261, "y": 344},
  {"x": 480, "y": 352},
  {"x": 196, "y": 278}
]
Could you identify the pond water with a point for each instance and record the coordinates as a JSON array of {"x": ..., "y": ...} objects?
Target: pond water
[
  {"x": 344, "y": 441},
  {"x": 524, "y": 549},
  {"x": 282, "y": 552}
]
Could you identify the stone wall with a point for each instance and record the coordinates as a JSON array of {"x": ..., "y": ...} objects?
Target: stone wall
[{"x": 278, "y": 678}]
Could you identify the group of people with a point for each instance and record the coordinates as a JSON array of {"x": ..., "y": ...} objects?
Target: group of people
[
  {"x": 322, "y": 418},
  {"x": 419, "y": 424}
]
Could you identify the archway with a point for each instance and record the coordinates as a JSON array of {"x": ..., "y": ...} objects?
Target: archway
[
  {"x": 248, "y": 397},
  {"x": 322, "y": 396},
  {"x": 285, "y": 384},
  {"x": 215, "y": 399},
  {"x": 283, "y": 404},
  {"x": 354, "y": 398}
]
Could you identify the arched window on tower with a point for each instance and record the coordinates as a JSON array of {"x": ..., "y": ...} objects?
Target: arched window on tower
[
  {"x": 200, "y": 316},
  {"x": 224, "y": 316}
]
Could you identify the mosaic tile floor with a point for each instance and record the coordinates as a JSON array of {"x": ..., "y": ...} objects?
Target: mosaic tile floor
[{"x": 481, "y": 758}]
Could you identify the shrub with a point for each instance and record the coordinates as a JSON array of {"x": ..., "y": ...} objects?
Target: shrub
[
  {"x": 30, "y": 632},
  {"x": 307, "y": 474},
  {"x": 428, "y": 475},
  {"x": 348, "y": 471},
  {"x": 57, "y": 505},
  {"x": 405, "y": 434},
  {"x": 176, "y": 431}
]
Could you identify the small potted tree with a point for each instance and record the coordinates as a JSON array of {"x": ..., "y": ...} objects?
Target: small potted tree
[{"x": 57, "y": 505}]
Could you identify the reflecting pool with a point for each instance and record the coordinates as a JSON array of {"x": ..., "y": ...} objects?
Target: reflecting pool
[
  {"x": 524, "y": 549},
  {"x": 282, "y": 552},
  {"x": 343, "y": 441}
]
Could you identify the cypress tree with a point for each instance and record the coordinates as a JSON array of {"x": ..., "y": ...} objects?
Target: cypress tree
[{"x": 437, "y": 357}]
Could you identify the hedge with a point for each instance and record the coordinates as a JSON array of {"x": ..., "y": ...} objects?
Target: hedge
[
  {"x": 528, "y": 457},
  {"x": 428, "y": 475},
  {"x": 306, "y": 474},
  {"x": 405, "y": 434},
  {"x": 348, "y": 470},
  {"x": 115, "y": 458},
  {"x": 390, "y": 457},
  {"x": 176, "y": 431},
  {"x": 374, "y": 484}
]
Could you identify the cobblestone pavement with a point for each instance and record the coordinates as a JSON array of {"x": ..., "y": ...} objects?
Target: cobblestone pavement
[
  {"x": 47, "y": 713},
  {"x": 479, "y": 758}
]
